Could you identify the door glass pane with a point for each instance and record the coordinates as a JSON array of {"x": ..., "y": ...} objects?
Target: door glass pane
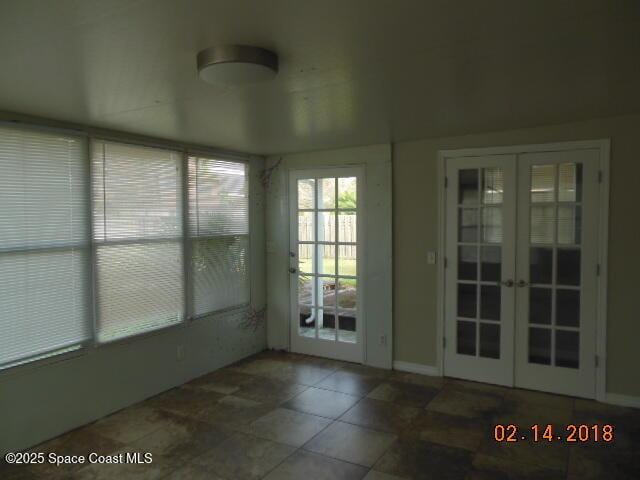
[
  {"x": 492, "y": 225},
  {"x": 491, "y": 264},
  {"x": 306, "y": 193},
  {"x": 569, "y": 224},
  {"x": 492, "y": 185},
  {"x": 540, "y": 345},
  {"x": 570, "y": 182},
  {"x": 540, "y": 305},
  {"x": 347, "y": 324},
  {"x": 305, "y": 258},
  {"x": 305, "y": 291},
  {"x": 568, "y": 307},
  {"x": 467, "y": 263},
  {"x": 467, "y": 300},
  {"x": 466, "y": 338},
  {"x": 327, "y": 254},
  {"x": 347, "y": 260},
  {"x": 326, "y": 291},
  {"x": 543, "y": 183},
  {"x": 327, "y": 323},
  {"x": 568, "y": 267},
  {"x": 540, "y": 265},
  {"x": 347, "y": 192},
  {"x": 567, "y": 349},
  {"x": 542, "y": 222},
  {"x": 306, "y": 230},
  {"x": 468, "y": 186},
  {"x": 468, "y": 225},
  {"x": 326, "y": 226},
  {"x": 306, "y": 324},
  {"x": 347, "y": 294},
  {"x": 347, "y": 308},
  {"x": 327, "y": 193},
  {"x": 348, "y": 227},
  {"x": 489, "y": 340},
  {"x": 490, "y": 302}
]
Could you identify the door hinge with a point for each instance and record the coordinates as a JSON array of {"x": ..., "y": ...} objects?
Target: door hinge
[
  {"x": 445, "y": 262},
  {"x": 599, "y": 176},
  {"x": 597, "y": 361},
  {"x": 598, "y": 270},
  {"x": 444, "y": 342},
  {"x": 446, "y": 182}
]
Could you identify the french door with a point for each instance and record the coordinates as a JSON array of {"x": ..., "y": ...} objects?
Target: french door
[
  {"x": 521, "y": 280},
  {"x": 326, "y": 242}
]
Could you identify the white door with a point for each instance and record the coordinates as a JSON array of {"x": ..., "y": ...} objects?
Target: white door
[
  {"x": 521, "y": 286},
  {"x": 557, "y": 271},
  {"x": 479, "y": 324},
  {"x": 326, "y": 242}
]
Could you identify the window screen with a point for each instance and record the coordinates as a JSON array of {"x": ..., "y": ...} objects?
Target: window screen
[
  {"x": 219, "y": 234},
  {"x": 44, "y": 239},
  {"x": 137, "y": 233}
]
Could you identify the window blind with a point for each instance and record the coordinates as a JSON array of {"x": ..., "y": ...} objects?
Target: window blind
[
  {"x": 44, "y": 241},
  {"x": 219, "y": 234},
  {"x": 137, "y": 234}
]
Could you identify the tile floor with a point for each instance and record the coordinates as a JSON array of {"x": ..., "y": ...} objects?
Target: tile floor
[{"x": 283, "y": 416}]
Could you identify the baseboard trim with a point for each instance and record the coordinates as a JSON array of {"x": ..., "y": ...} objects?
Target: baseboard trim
[
  {"x": 622, "y": 400},
  {"x": 416, "y": 368}
]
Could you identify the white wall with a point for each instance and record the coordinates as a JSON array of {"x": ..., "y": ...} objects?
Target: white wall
[
  {"x": 40, "y": 401},
  {"x": 377, "y": 258}
]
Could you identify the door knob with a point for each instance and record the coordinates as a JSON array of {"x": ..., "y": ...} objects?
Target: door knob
[
  {"x": 522, "y": 283},
  {"x": 507, "y": 283},
  {"x": 292, "y": 270}
]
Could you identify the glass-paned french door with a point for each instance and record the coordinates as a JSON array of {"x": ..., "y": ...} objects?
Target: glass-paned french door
[
  {"x": 521, "y": 279},
  {"x": 326, "y": 241}
]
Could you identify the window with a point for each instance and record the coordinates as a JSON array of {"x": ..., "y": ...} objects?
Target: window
[
  {"x": 137, "y": 233},
  {"x": 218, "y": 234},
  {"x": 44, "y": 241},
  {"x": 95, "y": 247}
]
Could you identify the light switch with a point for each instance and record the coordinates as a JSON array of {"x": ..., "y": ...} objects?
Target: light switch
[{"x": 431, "y": 257}]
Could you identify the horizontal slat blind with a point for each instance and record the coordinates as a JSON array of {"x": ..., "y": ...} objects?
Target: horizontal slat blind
[
  {"x": 137, "y": 225},
  {"x": 219, "y": 234},
  {"x": 44, "y": 236}
]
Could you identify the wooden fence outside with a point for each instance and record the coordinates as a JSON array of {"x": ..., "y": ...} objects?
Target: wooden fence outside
[{"x": 347, "y": 229}]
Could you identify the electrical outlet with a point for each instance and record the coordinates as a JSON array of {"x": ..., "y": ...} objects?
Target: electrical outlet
[
  {"x": 180, "y": 353},
  {"x": 383, "y": 340}
]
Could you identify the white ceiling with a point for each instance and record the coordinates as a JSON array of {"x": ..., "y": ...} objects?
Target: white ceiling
[{"x": 353, "y": 72}]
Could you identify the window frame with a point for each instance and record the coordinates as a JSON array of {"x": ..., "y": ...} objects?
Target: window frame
[
  {"x": 87, "y": 135},
  {"x": 190, "y": 303},
  {"x": 75, "y": 348}
]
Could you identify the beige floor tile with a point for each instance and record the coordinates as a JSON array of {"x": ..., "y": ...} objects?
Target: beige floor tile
[
  {"x": 452, "y": 430},
  {"x": 380, "y": 415},
  {"x": 244, "y": 457},
  {"x": 467, "y": 403},
  {"x": 325, "y": 403},
  {"x": 349, "y": 382},
  {"x": 401, "y": 393},
  {"x": 351, "y": 443},
  {"x": 491, "y": 468},
  {"x": 287, "y": 426},
  {"x": 309, "y": 466},
  {"x": 417, "y": 459}
]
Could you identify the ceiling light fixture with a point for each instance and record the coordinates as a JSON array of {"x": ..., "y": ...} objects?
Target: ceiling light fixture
[{"x": 236, "y": 65}]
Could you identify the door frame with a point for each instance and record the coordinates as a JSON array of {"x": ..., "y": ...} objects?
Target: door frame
[
  {"x": 604, "y": 147},
  {"x": 294, "y": 174}
]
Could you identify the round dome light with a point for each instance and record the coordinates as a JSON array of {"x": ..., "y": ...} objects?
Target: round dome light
[{"x": 236, "y": 65}]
